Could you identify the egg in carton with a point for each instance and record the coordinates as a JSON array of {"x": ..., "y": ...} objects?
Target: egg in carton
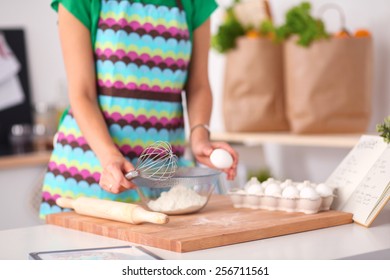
[
  {"x": 326, "y": 194},
  {"x": 309, "y": 200},
  {"x": 289, "y": 199},
  {"x": 271, "y": 197},
  {"x": 254, "y": 192},
  {"x": 288, "y": 196}
]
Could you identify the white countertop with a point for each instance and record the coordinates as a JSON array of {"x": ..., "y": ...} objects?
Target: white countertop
[{"x": 346, "y": 241}]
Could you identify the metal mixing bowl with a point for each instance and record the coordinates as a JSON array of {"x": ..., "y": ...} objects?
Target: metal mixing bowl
[{"x": 187, "y": 192}]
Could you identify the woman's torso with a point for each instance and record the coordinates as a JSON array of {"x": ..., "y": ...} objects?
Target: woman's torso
[{"x": 142, "y": 53}]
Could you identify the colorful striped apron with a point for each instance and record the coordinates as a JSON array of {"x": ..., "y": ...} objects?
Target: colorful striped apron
[{"x": 142, "y": 54}]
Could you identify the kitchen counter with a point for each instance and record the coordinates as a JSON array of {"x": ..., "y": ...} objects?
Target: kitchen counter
[
  {"x": 341, "y": 242},
  {"x": 22, "y": 160}
]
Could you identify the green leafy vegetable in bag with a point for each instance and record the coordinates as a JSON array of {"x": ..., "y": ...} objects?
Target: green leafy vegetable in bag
[
  {"x": 267, "y": 28},
  {"x": 300, "y": 22},
  {"x": 384, "y": 129},
  {"x": 228, "y": 32}
]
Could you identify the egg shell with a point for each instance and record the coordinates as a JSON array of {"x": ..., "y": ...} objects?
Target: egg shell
[
  {"x": 286, "y": 183},
  {"x": 251, "y": 181},
  {"x": 269, "y": 181},
  {"x": 273, "y": 190},
  {"x": 309, "y": 193},
  {"x": 221, "y": 159},
  {"x": 254, "y": 189},
  {"x": 253, "y": 186},
  {"x": 324, "y": 190},
  {"x": 290, "y": 192},
  {"x": 303, "y": 184}
]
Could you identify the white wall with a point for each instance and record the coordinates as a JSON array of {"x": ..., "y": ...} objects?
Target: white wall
[
  {"x": 47, "y": 75},
  {"x": 311, "y": 163},
  {"x": 371, "y": 14}
]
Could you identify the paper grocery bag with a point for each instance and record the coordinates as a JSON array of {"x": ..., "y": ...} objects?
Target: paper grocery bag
[
  {"x": 329, "y": 85},
  {"x": 253, "y": 97},
  {"x": 250, "y": 13}
]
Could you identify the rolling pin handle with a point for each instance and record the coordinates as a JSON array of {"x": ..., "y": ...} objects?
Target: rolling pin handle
[
  {"x": 65, "y": 202},
  {"x": 140, "y": 215}
]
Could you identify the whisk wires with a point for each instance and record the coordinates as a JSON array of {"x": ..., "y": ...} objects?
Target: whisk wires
[{"x": 157, "y": 161}]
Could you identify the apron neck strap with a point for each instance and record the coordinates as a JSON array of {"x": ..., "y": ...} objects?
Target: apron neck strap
[{"x": 179, "y": 4}]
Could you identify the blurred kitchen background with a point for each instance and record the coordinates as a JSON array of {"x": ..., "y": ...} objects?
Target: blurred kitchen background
[{"x": 20, "y": 178}]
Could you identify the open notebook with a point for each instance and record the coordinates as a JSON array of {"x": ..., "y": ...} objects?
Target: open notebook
[{"x": 362, "y": 180}]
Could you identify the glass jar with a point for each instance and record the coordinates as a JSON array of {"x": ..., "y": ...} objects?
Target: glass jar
[
  {"x": 21, "y": 138},
  {"x": 45, "y": 116}
]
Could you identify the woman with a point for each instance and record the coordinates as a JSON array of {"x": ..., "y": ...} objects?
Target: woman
[{"x": 127, "y": 63}]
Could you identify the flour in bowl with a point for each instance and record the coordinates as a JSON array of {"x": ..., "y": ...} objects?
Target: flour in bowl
[{"x": 178, "y": 200}]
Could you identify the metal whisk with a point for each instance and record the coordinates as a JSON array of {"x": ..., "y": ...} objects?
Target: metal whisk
[{"x": 157, "y": 162}]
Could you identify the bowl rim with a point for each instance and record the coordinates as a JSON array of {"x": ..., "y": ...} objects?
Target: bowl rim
[
  {"x": 208, "y": 172},
  {"x": 191, "y": 173}
]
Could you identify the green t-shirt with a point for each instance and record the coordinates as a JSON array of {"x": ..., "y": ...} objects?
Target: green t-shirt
[{"x": 88, "y": 11}]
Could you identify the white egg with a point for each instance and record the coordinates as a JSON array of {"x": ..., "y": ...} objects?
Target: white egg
[
  {"x": 221, "y": 159},
  {"x": 254, "y": 189},
  {"x": 290, "y": 192},
  {"x": 309, "y": 193},
  {"x": 286, "y": 183},
  {"x": 253, "y": 183},
  {"x": 324, "y": 190},
  {"x": 304, "y": 184},
  {"x": 273, "y": 190}
]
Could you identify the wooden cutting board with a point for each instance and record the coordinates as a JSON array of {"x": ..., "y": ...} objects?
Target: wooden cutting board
[{"x": 218, "y": 224}]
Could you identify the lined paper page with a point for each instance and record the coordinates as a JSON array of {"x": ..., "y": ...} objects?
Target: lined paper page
[
  {"x": 369, "y": 193},
  {"x": 354, "y": 167}
]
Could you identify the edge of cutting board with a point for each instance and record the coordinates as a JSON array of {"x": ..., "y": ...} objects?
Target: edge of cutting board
[{"x": 183, "y": 234}]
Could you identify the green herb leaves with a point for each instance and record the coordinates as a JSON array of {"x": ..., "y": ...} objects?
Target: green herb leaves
[{"x": 384, "y": 129}]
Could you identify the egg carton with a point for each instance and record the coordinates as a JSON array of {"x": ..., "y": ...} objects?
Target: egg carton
[{"x": 274, "y": 203}]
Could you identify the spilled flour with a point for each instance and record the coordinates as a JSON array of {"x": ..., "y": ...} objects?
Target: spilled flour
[
  {"x": 223, "y": 222},
  {"x": 178, "y": 200}
]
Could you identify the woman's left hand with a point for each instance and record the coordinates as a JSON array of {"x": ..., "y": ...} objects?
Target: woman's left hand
[{"x": 203, "y": 150}]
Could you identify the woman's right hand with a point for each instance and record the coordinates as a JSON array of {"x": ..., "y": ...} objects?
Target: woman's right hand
[{"x": 112, "y": 178}]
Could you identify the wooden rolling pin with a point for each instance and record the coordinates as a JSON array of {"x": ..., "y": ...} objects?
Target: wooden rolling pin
[{"x": 112, "y": 210}]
